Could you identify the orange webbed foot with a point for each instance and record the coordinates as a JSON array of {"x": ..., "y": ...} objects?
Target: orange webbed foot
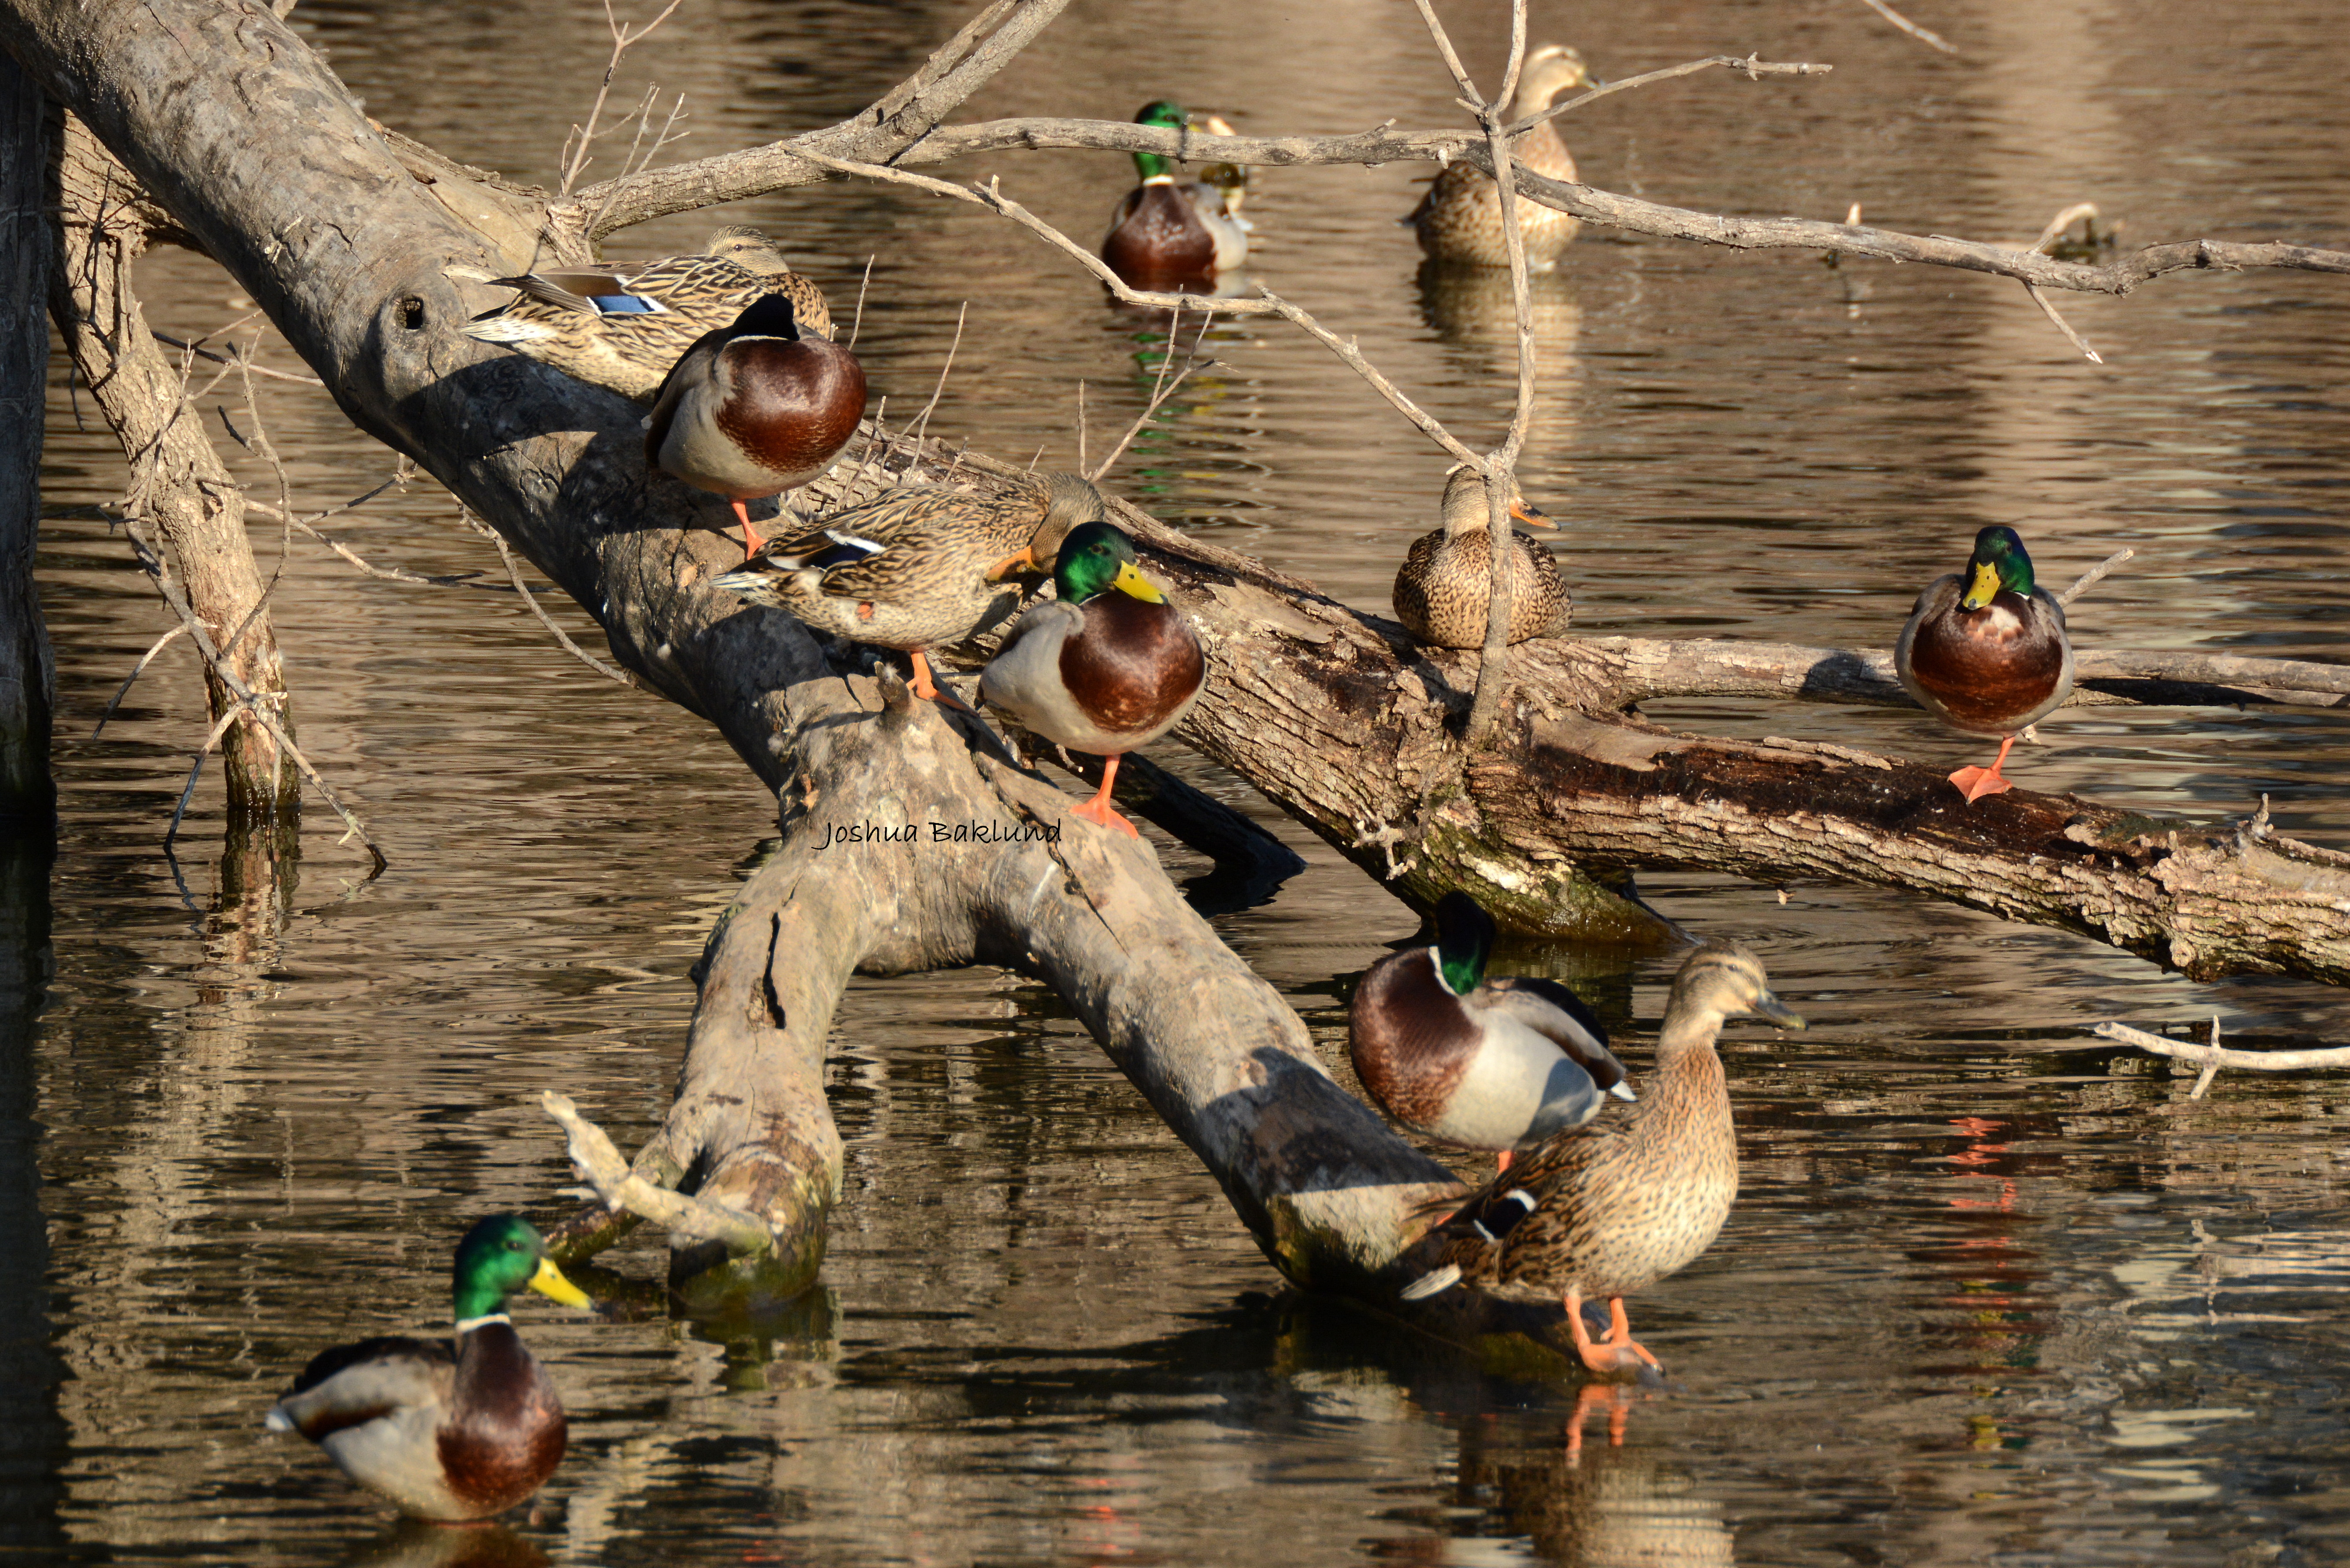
[
  {"x": 928, "y": 690},
  {"x": 1976, "y": 783},
  {"x": 1098, "y": 810},
  {"x": 1619, "y": 1351}
]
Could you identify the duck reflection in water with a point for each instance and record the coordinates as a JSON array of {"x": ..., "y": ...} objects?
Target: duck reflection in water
[{"x": 1604, "y": 1507}]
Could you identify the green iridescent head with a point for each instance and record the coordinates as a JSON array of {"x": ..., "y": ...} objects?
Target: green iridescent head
[
  {"x": 1464, "y": 940},
  {"x": 1999, "y": 562},
  {"x": 1151, "y": 165},
  {"x": 1095, "y": 557},
  {"x": 499, "y": 1256}
]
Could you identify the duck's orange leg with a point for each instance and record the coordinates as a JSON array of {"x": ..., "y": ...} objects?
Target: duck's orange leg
[
  {"x": 1976, "y": 783},
  {"x": 1098, "y": 810},
  {"x": 1619, "y": 1351},
  {"x": 751, "y": 541},
  {"x": 930, "y": 691},
  {"x": 1501, "y": 1161}
]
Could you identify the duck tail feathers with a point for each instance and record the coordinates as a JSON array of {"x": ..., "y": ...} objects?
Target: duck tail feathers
[{"x": 1430, "y": 1283}]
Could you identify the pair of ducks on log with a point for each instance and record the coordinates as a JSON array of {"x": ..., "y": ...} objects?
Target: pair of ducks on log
[{"x": 1169, "y": 236}]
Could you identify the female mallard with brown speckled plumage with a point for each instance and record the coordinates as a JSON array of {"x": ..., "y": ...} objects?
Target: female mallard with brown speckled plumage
[
  {"x": 1483, "y": 1062},
  {"x": 1106, "y": 668},
  {"x": 1605, "y": 1212},
  {"x": 755, "y": 409},
  {"x": 446, "y": 1434},
  {"x": 1460, "y": 219},
  {"x": 624, "y": 326},
  {"x": 1985, "y": 651},
  {"x": 922, "y": 566},
  {"x": 1164, "y": 235},
  {"x": 1446, "y": 584}
]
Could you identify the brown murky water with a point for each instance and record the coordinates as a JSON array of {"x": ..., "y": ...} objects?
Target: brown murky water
[{"x": 1992, "y": 1294}]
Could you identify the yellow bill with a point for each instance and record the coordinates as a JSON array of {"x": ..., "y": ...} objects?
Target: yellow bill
[
  {"x": 1131, "y": 581},
  {"x": 549, "y": 1282},
  {"x": 1983, "y": 590}
]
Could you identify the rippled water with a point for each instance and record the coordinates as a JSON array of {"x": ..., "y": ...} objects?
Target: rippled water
[{"x": 1991, "y": 1293}]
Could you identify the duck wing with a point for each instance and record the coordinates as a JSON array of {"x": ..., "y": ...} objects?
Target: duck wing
[
  {"x": 352, "y": 1384},
  {"x": 1559, "y": 1015}
]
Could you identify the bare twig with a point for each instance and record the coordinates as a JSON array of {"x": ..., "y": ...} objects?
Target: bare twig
[
  {"x": 620, "y": 1188},
  {"x": 1160, "y": 391},
  {"x": 1082, "y": 466},
  {"x": 228, "y": 360},
  {"x": 514, "y": 570},
  {"x": 922, "y": 423},
  {"x": 136, "y": 670},
  {"x": 857, "y": 326},
  {"x": 2075, "y": 339},
  {"x": 195, "y": 772},
  {"x": 2093, "y": 577},
  {"x": 575, "y": 145},
  {"x": 2061, "y": 221},
  {"x": 2214, "y": 1056},
  {"x": 1754, "y": 70},
  {"x": 1923, "y": 35}
]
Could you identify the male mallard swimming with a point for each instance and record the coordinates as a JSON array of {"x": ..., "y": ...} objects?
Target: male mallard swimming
[
  {"x": 1163, "y": 233},
  {"x": 1106, "y": 668},
  {"x": 1446, "y": 582},
  {"x": 921, "y": 567},
  {"x": 446, "y": 1435},
  {"x": 755, "y": 409},
  {"x": 1608, "y": 1209},
  {"x": 1460, "y": 219},
  {"x": 623, "y": 327},
  {"x": 1986, "y": 652},
  {"x": 1483, "y": 1062}
]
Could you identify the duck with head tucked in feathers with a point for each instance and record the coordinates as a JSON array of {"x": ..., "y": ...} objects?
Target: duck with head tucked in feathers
[
  {"x": 921, "y": 567},
  {"x": 1985, "y": 651},
  {"x": 1605, "y": 1210},
  {"x": 1445, "y": 586},
  {"x": 446, "y": 1434},
  {"x": 623, "y": 326},
  {"x": 1108, "y": 667},
  {"x": 1165, "y": 236},
  {"x": 1460, "y": 219},
  {"x": 1492, "y": 1061},
  {"x": 755, "y": 409}
]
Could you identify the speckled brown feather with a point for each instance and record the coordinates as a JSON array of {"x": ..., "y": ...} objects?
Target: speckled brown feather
[
  {"x": 1460, "y": 219},
  {"x": 1444, "y": 585},
  {"x": 1982, "y": 671},
  {"x": 1134, "y": 663}
]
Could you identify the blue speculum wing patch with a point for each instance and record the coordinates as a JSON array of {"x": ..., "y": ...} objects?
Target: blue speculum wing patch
[{"x": 624, "y": 305}]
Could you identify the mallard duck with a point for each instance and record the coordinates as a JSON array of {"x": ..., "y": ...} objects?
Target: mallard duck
[
  {"x": 1460, "y": 219},
  {"x": 1483, "y": 1062},
  {"x": 1164, "y": 233},
  {"x": 921, "y": 567},
  {"x": 755, "y": 409},
  {"x": 1985, "y": 651},
  {"x": 1108, "y": 667},
  {"x": 446, "y": 1434},
  {"x": 1446, "y": 584},
  {"x": 1606, "y": 1210},
  {"x": 624, "y": 326}
]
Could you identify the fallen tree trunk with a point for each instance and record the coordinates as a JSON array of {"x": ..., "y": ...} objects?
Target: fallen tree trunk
[{"x": 349, "y": 246}]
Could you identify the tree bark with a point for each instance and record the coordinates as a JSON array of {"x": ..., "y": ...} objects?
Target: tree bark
[
  {"x": 27, "y": 675},
  {"x": 177, "y": 478}
]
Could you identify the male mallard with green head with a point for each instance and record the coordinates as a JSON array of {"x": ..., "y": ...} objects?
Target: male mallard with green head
[
  {"x": 1492, "y": 1061},
  {"x": 446, "y": 1434},
  {"x": 624, "y": 326},
  {"x": 1460, "y": 219},
  {"x": 1985, "y": 651},
  {"x": 1108, "y": 667},
  {"x": 1606, "y": 1211},
  {"x": 1163, "y": 233},
  {"x": 755, "y": 409},
  {"x": 921, "y": 567},
  {"x": 1446, "y": 584}
]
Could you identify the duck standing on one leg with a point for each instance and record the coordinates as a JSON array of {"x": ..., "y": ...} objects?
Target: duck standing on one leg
[
  {"x": 1460, "y": 219},
  {"x": 755, "y": 409},
  {"x": 1603, "y": 1211},
  {"x": 447, "y": 1435},
  {"x": 1985, "y": 651},
  {"x": 921, "y": 567},
  {"x": 1108, "y": 667},
  {"x": 1483, "y": 1062},
  {"x": 623, "y": 326},
  {"x": 1445, "y": 587},
  {"x": 1164, "y": 235}
]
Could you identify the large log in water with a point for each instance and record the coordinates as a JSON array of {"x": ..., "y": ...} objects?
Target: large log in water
[{"x": 346, "y": 240}]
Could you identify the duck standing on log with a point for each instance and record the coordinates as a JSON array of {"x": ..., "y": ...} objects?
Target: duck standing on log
[
  {"x": 1164, "y": 236},
  {"x": 921, "y": 567},
  {"x": 755, "y": 409},
  {"x": 1460, "y": 219},
  {"x": 1985, "y": 651},
  {"x": 1446, "y": 584},
  {"x": 624, "y": 326},
  {"x": 1603, "y": 1211},
  {"x": 1108, "y": 667},
  {"x": 449, "y": 1436},
  {"x": 1492, "y": 1061}
]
